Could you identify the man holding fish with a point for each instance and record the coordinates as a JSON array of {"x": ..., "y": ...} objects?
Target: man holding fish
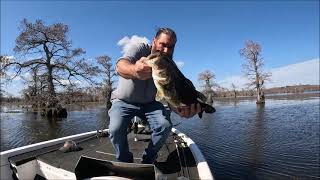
[{"x": 136, "y": 95}]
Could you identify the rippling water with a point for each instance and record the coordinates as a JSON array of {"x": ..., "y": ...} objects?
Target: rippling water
[
  {"x": 24, "y": 128},
  {"x": 245, "y": 141},
  {"x": 240, "y": 141}
]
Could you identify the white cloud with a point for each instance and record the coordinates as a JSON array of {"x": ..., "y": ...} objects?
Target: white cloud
[
  {"x": 14, "y": 88},
  {"x": 12, "y": 74},
  {"x": 180, "y": 64},
  {"x": 66, "y": 82},
  {"x": 306, "y": 72},
  {"x": 128, "y": 44},
  {"x": 238, "y": 81},
  {"x": 10, "y": 58},
  {"x": 27, "y": 76}
]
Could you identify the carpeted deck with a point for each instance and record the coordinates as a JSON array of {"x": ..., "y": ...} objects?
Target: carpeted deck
[{"x": 174, "y": 159}]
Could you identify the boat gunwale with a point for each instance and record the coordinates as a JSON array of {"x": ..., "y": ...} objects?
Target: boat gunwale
[
  {"x": 32, "y": 147},
  {"x": 202, "y": 165},
  {"x": 204, "y": 171}
]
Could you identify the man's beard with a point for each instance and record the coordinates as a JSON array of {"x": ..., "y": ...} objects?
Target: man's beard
[{"x": 169, "y": 55}]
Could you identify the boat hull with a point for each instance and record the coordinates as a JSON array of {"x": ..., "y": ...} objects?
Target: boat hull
[{"x": 34, "y": 166}]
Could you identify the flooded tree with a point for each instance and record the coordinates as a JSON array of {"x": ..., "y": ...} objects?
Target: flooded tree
[
  {"x": 109, "y": 73},
  {"x": 207, "y": 77},
  {"x": 234, "y": 90},
  {"x": 47, "y": 48},
  {"x": 35, "y": 87},
  {"x": 4, "y": 60},
  {"x": 253, "y": 68}
]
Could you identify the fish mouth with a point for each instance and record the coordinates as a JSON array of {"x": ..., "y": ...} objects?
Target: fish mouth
[
  {"x": 154, "y": 55},
  {"x": 153, "y": 58}
]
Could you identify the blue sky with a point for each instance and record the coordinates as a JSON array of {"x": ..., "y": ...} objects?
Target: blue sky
[{"x": 210, "y": 34}]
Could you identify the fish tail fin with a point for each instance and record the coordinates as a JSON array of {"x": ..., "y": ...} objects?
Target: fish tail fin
[{"x": 207, "y": 108}]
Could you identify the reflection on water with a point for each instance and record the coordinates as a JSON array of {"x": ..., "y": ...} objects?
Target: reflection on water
[
  {"x": 244, "y": 141},
  {"x": 240, "y": 141},
  {"x": 19, "y": 129}
]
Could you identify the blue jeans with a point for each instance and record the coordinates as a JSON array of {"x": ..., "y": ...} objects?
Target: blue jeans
[{"x": 121, "y": 114}]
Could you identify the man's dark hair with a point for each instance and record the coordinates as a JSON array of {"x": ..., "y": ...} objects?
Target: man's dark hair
[{"x": 167, "y": 31}]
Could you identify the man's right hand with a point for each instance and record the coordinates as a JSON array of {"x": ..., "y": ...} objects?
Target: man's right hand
[{"x": 142, "y": 70}]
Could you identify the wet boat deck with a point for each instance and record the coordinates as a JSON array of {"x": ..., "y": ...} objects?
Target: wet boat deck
[{"x": 175, "y": 158}]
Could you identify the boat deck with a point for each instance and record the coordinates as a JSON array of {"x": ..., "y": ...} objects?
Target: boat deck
[{"x": 175, "y": 159}]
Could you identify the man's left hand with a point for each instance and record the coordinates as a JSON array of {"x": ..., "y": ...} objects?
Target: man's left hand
[{"x": 188, "y": 111}]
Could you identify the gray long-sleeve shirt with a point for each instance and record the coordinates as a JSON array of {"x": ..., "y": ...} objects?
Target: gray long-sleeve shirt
[{"x": 134, "y": 90}]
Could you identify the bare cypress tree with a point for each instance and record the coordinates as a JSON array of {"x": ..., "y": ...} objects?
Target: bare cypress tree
[
  {"x": 4, "y": 61},
  {"x": 208, "y": 78},
  {"x": 47, "y": 47},
  {"x": 33, "y": 93},
  {"x": 109, "y": 74},
  {"x": 234, "y": 90},
  {"x": 253, "y": 68}
]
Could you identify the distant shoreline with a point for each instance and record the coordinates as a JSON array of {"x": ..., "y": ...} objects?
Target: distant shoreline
[
  {"x": 271, "y": 96},
  {"x": 268, "y": 96}
]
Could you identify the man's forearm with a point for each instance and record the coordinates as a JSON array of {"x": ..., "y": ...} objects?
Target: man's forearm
[{"x": 125, "y": 69}]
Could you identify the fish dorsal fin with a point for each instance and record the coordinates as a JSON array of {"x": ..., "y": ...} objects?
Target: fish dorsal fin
[
  {"x": 179, "y": 73},
  {"x": 201, "y": 97}
]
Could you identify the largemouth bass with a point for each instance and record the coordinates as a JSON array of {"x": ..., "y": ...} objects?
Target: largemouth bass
[{"x": 172, "y": 86}]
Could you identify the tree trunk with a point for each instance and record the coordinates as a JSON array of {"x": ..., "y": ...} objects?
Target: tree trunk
[
  {"x": 52, "y": 99},
  {"x": 108, "y": 95},
  {"x": 258, "y": 87},
  {"x": 108, "y": 100},
  {"x": 53, "y": 108},
  {"x": 260, "y": 97}
]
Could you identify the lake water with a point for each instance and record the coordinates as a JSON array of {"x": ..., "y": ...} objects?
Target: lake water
[{"x": 280, "y": 140}]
